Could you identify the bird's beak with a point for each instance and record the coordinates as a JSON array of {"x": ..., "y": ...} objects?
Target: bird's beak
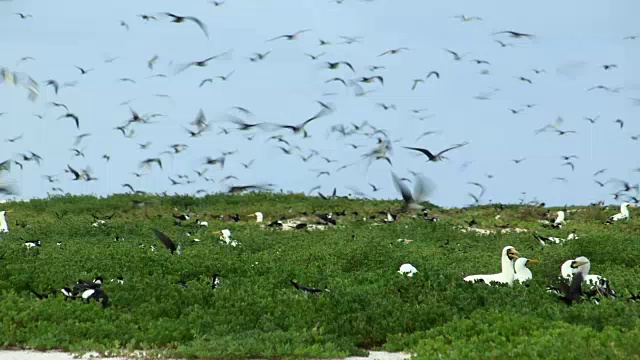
[
  {"x": 512, "y": 253},
  {"x": 580, "y": 263},
  {"x": 8, "y": 211},
  {"x": 252, "y": 215},
  {"x": 532, "y": 262},
  {"x": 218, "y": 232}
]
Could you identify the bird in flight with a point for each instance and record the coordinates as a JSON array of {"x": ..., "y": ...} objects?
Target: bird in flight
[
  {"x": 200, "y": 63},
  {"x": 393, "y": 51},
  {"x": 422, "y": 188},
  {"x": 293, "y": 36},
  {"x": 180, "y": 19},
  {"x": 438, "y": 156},
  {"x": 514, "y": 34}
]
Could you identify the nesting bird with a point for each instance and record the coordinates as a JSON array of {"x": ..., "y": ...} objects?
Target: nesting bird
[
  {"x": 580, "y": 264},
  {"x": 521, "y": 272},
  {"x": 258, "y": 215},
  {"x": 622, "y": 215},
  {"x": 407, "y": 269},
  {"x": 4, "y": 225},
  {"x": 506, "y": 276},
  {"x": 559, "y": 220},
  {"x": 225, "y": 236}
]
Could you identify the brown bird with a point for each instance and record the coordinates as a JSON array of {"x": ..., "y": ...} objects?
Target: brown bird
[
  {"x": 393, "y": 51},
  {"x": 293, "y": 36},
  {"x": 201, "y": 63},
  {"x": 514, "y": 34},
  {"x": 72, "y": 116},
  {"x": 180, "y": 19}
]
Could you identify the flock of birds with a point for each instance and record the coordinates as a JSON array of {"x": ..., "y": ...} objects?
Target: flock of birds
[
  {"x": 574, "y": 272},
  {"x": 373, "y": 143}
]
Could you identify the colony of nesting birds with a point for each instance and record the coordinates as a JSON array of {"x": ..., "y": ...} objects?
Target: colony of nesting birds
[
  {"x": 355, "y": 83},
  {"x": 574, "y": 273}
]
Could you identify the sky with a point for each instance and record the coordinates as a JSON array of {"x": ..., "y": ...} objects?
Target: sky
[{"x": 573, "y": 40}]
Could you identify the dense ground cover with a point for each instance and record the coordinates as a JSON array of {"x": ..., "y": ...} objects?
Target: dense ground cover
[{"x": 255, "y": 312}]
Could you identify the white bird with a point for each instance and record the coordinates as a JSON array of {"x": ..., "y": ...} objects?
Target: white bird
[
  {"x": 559, "y": 220},
  {"x": 522, "y": 273},
  {"x": 623, "y": 214},
  {"x": 225, "y": 235},
  {"x": 258, "y": 215},
  {"x": 4, "y": 225},
  {"x": 203, "y": 223},
  {"x": 579, "y": 264},
  {"x": 508, "y": 255},
  {"x": 407, "y": 269}
]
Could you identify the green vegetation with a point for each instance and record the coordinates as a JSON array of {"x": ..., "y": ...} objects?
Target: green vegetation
[{"x": 255, "y": 312}]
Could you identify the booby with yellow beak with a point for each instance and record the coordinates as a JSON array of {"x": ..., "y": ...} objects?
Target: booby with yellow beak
[
  {"x": 225, "y": 236},
  {"x": 506, "y": 276},
  {"x": 258, "y": 215},
  {"x": 622, "y": 215},
  {"x": 521, "y": 272}
]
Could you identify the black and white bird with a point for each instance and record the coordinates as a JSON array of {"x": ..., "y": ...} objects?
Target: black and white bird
[
  {"x": 438, "y": 156},
  {"x": 30, "y": 244}
]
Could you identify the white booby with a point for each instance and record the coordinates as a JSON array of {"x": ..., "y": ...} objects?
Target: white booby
[
  {"x": 508, "y": 255},
  {"x": 407, "y": 269},
  {"x": 225, "y": 235},
  {"x": 579, "y": 264},
  {"x": 522, "y": 273},
  {"x": 623, "y": 214},
  {"x": 258, "y": 215},
  {"x": 4, "y": 225},
  {"x": 559, "y": 220}
]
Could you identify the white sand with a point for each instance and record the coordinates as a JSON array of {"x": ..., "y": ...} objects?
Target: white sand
[{"x": 53, "y": 355}]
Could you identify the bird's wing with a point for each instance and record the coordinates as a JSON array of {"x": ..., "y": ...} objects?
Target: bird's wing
[
  {"x": 404, "y": 190},
  {"x": 165, "y": 240},
  {"x": 422, "y": 188},
  {"x": 451, "y": 148},
  {"x": 202, "y": 26},
  {"x": 424, "y": 151}
]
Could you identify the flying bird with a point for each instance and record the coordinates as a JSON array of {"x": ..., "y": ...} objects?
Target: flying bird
[
  {"x": 393, "y": 51},
  {"x": 514, "y": 34},
  {"x": 166, "y": 241},
  {"x": 293, "y": 36},
  {"x": 180, "y": 19},
  {"x": 72, "y": 116},
  {"x": 423, "y": 187},
  {"x": 438, "y": 156}
]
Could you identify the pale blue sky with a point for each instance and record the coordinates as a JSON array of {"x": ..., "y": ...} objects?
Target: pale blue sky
[{"x": 575, "y": 36}]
